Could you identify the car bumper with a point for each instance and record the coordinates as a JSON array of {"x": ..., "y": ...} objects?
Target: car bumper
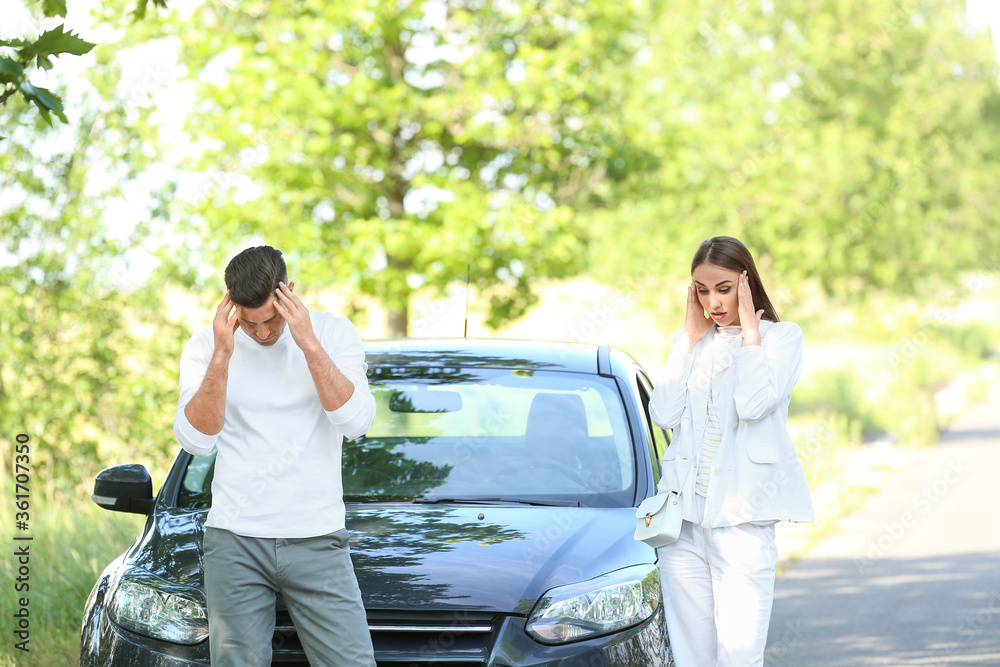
[
  {"x": 645, "y": 645},
  {"x": 507, "y": 645}
]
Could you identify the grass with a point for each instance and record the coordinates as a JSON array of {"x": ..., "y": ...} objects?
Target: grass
[{"x": 71, "y": 545}]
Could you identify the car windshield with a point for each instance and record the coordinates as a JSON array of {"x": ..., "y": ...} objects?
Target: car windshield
[
  {"x": 515, "y": 435},
  {"x": 489, "y": 435}
]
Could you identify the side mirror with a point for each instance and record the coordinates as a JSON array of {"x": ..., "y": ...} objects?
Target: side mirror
[{"x": 124, "y": 488}]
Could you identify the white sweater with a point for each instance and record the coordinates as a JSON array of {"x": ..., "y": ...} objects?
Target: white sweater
[{"x": 278, "y": 470}]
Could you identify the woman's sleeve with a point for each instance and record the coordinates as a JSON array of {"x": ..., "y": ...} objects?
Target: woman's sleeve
[
  {"x": 766, "y": 373},
  {"x": 669, "y": 398}
]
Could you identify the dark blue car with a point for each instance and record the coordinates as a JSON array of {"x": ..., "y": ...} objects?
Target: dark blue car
[{"x": 491, "y": 508}]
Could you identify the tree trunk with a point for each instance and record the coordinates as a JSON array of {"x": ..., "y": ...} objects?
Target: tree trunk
[{"x": 396, "y": 322}]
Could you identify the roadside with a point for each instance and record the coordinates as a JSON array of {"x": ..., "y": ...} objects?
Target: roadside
[
  {"x": 866, "y": 468},
  {"x": 913, "y": 576}
]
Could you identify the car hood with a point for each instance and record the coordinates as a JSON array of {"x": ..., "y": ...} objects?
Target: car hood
[
  {"x": 445, "y": 557},
  {"x": 484, "y": 557}
]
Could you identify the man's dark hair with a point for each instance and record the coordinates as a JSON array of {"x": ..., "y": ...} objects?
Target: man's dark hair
[{"x": 253, "y": 276}]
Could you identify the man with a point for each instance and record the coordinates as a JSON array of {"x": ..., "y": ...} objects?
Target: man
[{"x": 275, "y": 389}]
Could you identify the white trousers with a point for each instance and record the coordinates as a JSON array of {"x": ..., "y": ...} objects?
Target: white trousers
[{"x": 718, "y": 586}]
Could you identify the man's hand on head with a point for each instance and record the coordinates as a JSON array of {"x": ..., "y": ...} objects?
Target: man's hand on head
[
  {"x": 296, "y": 315},
  {"x": 224, "y": 327}
]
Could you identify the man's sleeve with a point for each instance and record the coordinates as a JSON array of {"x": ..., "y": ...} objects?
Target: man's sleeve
[
  {"x": 194, "y": 362},
  {"x": 342, "y": 342}
]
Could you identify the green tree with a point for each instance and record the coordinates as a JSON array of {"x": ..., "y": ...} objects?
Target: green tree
[
  {"x": 850, "y": 142},
  {"x": 87, "y": 356},
  {"x": 385, "y": 146}
]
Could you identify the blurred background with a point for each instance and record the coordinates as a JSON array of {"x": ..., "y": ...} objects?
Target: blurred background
[{"x": 566, "y": 157}]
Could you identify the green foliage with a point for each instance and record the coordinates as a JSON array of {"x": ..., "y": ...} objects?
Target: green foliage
[
  {"x": 823, "y": 441},
  {"x": 17, "y": 56},
  {"x": 975, "y": 340},
  {"x": 889, "y": 387},
  {"x": 87, "y": 357},
  {"x": 52, "y": 43},
  {"x": 837, "y": 391},
  {"x": 849, "y": 142},
  {"x": 385, "y": 146}
]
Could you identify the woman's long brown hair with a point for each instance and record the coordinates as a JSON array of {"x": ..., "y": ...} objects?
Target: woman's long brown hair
[{"x": 731, "y": 254}]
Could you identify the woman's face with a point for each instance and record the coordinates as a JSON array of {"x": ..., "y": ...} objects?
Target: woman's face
[{"x": 716, "y": 289}]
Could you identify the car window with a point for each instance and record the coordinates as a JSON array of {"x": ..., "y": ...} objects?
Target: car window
[
  {"x": 660, "y": 439},
  {"x": 530, "y": 435},
  {"x": 196, "y": 487},
  {"x": 493, "y": 433}
]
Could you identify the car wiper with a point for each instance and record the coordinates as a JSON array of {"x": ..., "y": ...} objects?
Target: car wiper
[{"x": 432, "y": 500}]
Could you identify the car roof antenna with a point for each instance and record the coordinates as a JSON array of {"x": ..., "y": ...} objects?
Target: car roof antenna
[{"x": 468, "y": 274}]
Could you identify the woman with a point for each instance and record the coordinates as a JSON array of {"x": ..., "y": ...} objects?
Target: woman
[{"x": 724, "y": 391}]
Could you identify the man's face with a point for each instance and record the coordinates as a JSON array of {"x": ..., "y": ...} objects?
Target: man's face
[{"x": 264, "y": 325}]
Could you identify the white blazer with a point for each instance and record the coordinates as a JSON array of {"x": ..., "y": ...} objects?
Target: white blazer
[{"x": 756, "y": 473}]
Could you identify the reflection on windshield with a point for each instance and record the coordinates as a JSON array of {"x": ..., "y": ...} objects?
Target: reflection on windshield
[
  {"x": 380, "y": 472},
  {"x": 492, "y": 433}
]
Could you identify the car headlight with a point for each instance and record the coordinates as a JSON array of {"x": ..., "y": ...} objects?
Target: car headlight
[
  {"x": 603, "y": 605},
  {"x": 148, "y": 605}
]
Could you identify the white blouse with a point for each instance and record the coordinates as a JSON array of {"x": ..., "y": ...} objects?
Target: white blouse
[{"x": 713, "y": 431}]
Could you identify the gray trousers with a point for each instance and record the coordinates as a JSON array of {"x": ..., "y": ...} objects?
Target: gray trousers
[{"x": 315, "y": 577}]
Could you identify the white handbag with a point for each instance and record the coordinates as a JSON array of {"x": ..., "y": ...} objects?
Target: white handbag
[{"x": 658, "y": 518}]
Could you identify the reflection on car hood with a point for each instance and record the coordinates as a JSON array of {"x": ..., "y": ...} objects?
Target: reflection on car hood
[
  {"x": 447, "y": 557},
  {"x": 442, "y": 556},
  {"x": 172, "y": 550}
]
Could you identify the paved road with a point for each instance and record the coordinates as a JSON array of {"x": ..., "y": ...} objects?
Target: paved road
[{"x": 913, "y": 576}]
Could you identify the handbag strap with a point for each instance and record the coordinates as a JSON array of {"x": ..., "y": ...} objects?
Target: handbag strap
[{"x": 691, "y": 468}]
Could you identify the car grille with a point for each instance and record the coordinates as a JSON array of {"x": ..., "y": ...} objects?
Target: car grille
[{"x": 454, "y": 639}]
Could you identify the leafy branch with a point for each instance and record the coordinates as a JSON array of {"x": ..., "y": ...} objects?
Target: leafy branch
[
  {"x": 18, "y": 57},
  {"x": 38, "y": 53}
]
